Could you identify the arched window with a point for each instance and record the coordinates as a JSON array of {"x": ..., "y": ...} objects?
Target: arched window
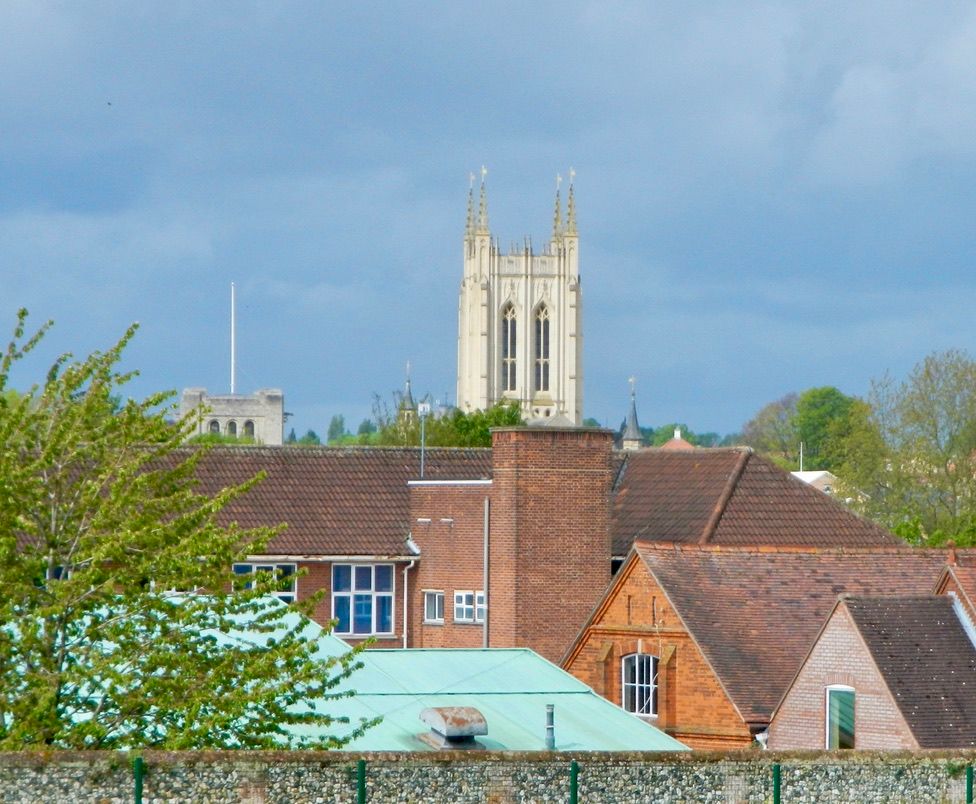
[
  {"x": 249, "y": 428},
  {"x": 638, "y": 684},
  {"x": 232, "y": 428},
  {"x": 508, "y": 347},
  {"x": 542, "y": 348},
  {"x": 215, "y": 426}
]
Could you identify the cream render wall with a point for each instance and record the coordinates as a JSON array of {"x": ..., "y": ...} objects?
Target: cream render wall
[{"x": 839, "y": 657}]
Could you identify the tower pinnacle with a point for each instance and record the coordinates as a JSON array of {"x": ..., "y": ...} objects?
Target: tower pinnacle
[
  {"x": 483, "y": 203},
  {"x": 557, "y": 215},
  {"x": 469, "y": 224},
  {"x": 571, "y": 206}
]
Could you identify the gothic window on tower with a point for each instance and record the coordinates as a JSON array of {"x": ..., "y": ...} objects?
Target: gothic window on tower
[
  {"x": 508, "y": 347},
  {"x": 542, "y": 348}
]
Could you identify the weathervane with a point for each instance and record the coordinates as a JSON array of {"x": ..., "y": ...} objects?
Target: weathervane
[
  {"x": 633, "y": 381},
  {"x": 559, "y": 180},
  {"x": 572, "y": 175},
  {"x": 484, "y": 172}
]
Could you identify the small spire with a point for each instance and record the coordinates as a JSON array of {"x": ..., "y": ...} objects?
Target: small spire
[
  {"x": 407, "y": 402},
  {"x": 571, "y": 205},
  {"x": 483, "y": 203},
  {"x": 557, "y": 214},
  {"x": 631, "y": 437},
  {"x": 469, "y": 225}
]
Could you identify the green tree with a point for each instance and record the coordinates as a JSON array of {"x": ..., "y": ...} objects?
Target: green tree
[
  {"x": 310, "y": 439},
  {"x": 292, "y": 438},
  {"x": 457, "y": 429},
  {"x": 337, "y": 429},
  {"x": 821, "y": 413},
  {"x": 366, "y": 426},
  {"x": 773, "y": 432},
  {"x": 98, "y": 516},
  {"x": 923, "y": 483}
]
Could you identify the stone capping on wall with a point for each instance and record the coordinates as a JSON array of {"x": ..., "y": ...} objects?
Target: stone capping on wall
[
  {"x": 745, "y": 757},
  {"x": 477, "y": 776}
]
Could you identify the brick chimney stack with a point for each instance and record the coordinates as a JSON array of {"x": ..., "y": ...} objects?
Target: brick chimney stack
[{"x": 550, "y": 534}]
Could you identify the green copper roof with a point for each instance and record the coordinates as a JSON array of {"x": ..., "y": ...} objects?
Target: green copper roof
[{"x": 509, "y": 686}]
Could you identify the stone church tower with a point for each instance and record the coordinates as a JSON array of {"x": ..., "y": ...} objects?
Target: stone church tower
[{"x": 520, "y": 333}]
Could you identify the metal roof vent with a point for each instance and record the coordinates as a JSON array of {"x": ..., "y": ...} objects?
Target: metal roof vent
[{"x": 453, "y": 727}]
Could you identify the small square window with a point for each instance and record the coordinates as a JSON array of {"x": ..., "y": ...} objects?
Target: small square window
[
  {"x": 469, "y": 607},
  {"x": 433, "y": 607}
]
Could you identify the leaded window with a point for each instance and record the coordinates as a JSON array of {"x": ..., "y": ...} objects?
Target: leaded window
[
  {"x": 509, "y": 326},
  {"x": 542, "y": 349}
]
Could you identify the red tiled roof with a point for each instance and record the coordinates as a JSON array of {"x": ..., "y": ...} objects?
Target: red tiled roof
[
  {"x": 755, "y": 612},
  {"x": 334, "y": 501},
  {"x": 927, "y": 662},
  {"x": 727, "y": 496},
  {"x": 966, "y": 579}
]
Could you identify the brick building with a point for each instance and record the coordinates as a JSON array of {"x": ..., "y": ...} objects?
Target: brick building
[
  {"x": 703, "y": 640},
  {"x": 884, "y": 673},
  {"x": 505, "y": 547}
]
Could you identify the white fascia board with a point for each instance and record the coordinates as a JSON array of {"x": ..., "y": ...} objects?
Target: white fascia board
[{"x": 320, "y": 559}]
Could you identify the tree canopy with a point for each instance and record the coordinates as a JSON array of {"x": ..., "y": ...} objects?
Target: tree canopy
[
  {"x": 105, "y": 641},
  {"x": 914, "y": 463}
]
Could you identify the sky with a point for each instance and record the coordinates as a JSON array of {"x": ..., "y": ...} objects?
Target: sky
[{"x": 771, "y": 196}]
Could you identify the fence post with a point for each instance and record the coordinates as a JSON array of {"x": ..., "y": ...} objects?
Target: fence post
[
  {"x": 776, "y": 783},
  {"x": 138, "y": 771},
  {"x": 969, "y": 784},
  {"x": 574, "y": 782},
  {"x": 361, "y": 782}
]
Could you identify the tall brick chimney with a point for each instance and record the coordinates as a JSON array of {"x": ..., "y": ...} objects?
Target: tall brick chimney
[{"x": 550, "y": 534}]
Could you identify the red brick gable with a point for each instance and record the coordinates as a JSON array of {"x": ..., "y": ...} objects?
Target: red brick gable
[
  {"x": 334, "y": 501},
  {"x": 727, "y": 497},
  {"x": 755, "y": 612}
]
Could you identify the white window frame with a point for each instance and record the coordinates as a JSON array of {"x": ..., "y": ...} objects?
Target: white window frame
[
  {"x": 351, "y": 593},
  {"x": 646, "y": 682},
  {"x": 243, "y": 568},
  {"x": 472, "y": 605},
  {"x": 437, "y": 596},
  {"x": 827, "y": 691}
]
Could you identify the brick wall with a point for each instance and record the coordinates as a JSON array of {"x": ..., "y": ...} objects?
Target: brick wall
[
  {"x": 550, "y": 534},
  {"x": 452, "y": 558},
  {"x": 636, "y": 617},
  {"x": 549, "y": 542},
  {"x": 260, "y": 777},
  {"x": 839, "y": 657}
]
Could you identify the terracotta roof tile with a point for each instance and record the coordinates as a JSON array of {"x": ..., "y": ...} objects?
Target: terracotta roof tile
[
  {"x": 755, "y": 612},
  {"x": 731, "y": 497},
  {"x": 334, "y": 501},
  {"x": 928, "y": 663}
]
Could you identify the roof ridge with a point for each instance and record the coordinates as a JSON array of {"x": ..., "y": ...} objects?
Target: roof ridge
[
  {"x": 723, "y": 500},
  {"x": 886, "y": 549}
]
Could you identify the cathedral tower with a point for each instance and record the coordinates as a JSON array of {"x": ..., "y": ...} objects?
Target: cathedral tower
[{"x": 520, "y": 334}]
